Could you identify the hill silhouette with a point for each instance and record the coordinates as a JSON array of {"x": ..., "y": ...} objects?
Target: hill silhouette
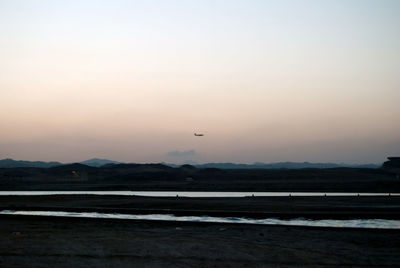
[
  {"x": 10, "y": 163},
  {"x": 98, "y": 162}
]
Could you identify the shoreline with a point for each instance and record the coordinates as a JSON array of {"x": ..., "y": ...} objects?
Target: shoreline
[
  {"x": 363, "y": 207},
  {"x": 388, "y": 214},
  {"x": 169, "y": 223}
]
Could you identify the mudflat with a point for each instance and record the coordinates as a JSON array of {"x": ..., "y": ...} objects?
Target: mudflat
[{"x": 38, "y": 241}]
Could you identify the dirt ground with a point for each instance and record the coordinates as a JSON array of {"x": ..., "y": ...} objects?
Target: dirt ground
[{"x": 29, "y": 241}]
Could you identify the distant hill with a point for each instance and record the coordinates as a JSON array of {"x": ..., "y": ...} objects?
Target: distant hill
[
  {"x": 10, "y": 163},
  {"x": 98, "y": 162},
  {"x": 279, "y": 165},
  {"x": 283, "y": 165}
]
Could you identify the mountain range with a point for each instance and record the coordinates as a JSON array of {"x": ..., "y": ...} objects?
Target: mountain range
[
  {"x": 10, "y": 163},
  {"x": 97, "y": 162}
]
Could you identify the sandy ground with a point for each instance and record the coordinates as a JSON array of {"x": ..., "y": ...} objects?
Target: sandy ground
[{"x": 28, "y": 241}]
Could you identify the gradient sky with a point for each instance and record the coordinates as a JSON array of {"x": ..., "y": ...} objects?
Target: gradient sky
[{"x": 264, "y": 80}]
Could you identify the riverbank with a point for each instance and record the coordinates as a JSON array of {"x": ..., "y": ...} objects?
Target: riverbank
[
  {"x": 78, "y": 242},
  {"x": 330, "y": 207}
]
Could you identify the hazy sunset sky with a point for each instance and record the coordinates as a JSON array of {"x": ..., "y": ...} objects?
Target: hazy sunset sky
[{"x": 265, "y": 81}]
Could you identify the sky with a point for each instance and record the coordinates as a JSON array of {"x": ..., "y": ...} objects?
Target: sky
[{"x": 265, "y": 81}]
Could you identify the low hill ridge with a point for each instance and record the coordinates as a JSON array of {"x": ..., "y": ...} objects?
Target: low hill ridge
[{"x": 98, "y": 162}]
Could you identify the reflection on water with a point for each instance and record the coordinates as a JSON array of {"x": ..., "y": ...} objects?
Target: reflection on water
[
  {"x": 190, "y": 194},
  {"x": 362, "y": 223}
]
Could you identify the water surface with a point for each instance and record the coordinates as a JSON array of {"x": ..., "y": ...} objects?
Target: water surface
[
  {"x": 189, "y": 194},
  {"x": 360, "y": 223}
]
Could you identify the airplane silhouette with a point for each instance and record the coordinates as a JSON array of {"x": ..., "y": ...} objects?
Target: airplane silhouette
[{"x": 198, "y": 135}]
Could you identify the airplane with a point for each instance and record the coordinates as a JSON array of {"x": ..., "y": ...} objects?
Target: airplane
[{"x": 198, "y": 135}]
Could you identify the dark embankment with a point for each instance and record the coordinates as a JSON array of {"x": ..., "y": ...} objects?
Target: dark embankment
[{"x": 160, "y": 177}]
